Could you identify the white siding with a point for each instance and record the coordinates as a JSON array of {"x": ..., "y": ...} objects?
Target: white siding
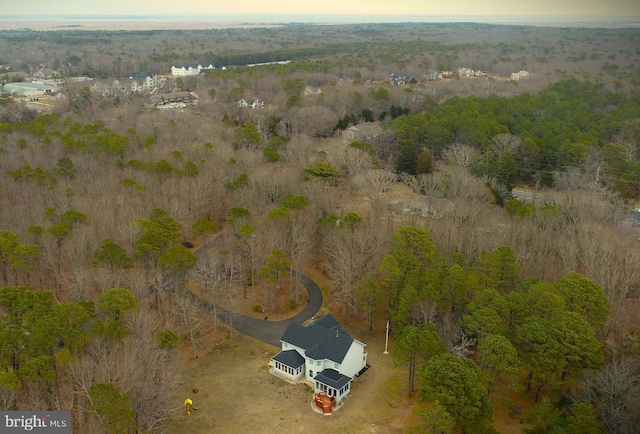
[
  {"x": 182, "y": 71},
  {"x": 311, "y": 365},
  {"x": 354, "y": 360}
]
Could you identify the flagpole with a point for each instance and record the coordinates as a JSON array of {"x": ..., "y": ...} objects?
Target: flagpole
[{"x": 386, "y": 340}]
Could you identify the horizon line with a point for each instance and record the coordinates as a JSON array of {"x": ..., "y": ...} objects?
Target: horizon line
[
  {"x": 62, "y": 21},
  {"x": 572, "y": 17}
]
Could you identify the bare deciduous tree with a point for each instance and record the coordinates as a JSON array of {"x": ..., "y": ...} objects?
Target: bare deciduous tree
[
  {"x": 191, "y": 319},
  {"x": 374, "y": 184},
  {"x": 502, "y": 143},
  {"x": 458, "y": 343},
  {"x": 152, "y": 386},
  {"x": 574, "y": 178},
  {"x": 615, "y": 391},
  {"x": 459, "y": 154},
  {"x": 351, "y": 161},
  {"x": 354, "y": 254}
]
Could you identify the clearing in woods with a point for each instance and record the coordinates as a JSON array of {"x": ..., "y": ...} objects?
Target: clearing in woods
[{"x": 236, "y": 394}]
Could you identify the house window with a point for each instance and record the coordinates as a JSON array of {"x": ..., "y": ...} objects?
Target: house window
[
  {"x": 311, "y": 373},
  {"x": 319, "y": 363},
  {"x": 335, "y": 365},
  {"x": 285, "y": 345}
]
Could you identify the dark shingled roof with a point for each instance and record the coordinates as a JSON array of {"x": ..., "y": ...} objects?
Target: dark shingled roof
[
  {"x": 322, "y": 339},
  {"x": 143, "y": 74},
  {"x": 291, "y": 358},
  {"x": 327, "y": 321},
  {"x": 332, "y": 378},
  {"x": 188, "y": 65}
]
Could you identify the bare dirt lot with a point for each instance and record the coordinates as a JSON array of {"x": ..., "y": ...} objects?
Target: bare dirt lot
[{"x": 236, "y": 394}]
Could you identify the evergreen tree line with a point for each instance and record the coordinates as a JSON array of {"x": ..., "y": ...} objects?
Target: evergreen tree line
[
  {"x": 571, "y": 124},
  {"x": 470, "y": 335}
]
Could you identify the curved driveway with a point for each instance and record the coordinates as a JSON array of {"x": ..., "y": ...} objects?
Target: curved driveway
[{"x": 263, "y": 330}]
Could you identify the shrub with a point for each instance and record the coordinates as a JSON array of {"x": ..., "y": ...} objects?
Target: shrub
[{"x": 168, "y": 339}]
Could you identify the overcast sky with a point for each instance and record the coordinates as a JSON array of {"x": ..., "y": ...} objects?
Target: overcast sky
[{"x": 591, "y": 8}]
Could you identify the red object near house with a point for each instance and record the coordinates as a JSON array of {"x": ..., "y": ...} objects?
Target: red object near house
[
  {"x": 232, "y": 271},
  {"x": 325, "y": 402}
]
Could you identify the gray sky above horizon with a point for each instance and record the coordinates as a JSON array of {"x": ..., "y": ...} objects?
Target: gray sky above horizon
[{"x": 577, "y": 8}]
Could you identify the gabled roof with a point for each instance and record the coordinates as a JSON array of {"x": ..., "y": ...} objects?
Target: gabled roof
[
  {"x": 322, "y": 339},
  {"x": 187, "y": 66},
  {"x": 332, "y": 378},
  {"x": 143, "y": 74},
  {"x": 291, "y": 358},
  {"x": 328, "y": 322}
]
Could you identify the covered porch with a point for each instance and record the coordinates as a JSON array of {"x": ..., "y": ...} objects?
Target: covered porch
[
  {"x": 288, "y": 365},
  {"x": 333, "y": 383}
]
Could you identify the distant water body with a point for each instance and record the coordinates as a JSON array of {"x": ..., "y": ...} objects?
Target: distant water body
[{"x": 569, "y": 21}]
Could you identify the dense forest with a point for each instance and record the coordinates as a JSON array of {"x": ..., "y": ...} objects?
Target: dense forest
[
  {"x": 487, "y": 218},
  {"x": 566, "y": 128}
]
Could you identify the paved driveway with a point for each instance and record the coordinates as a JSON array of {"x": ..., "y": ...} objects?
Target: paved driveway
[{"x": 266, "y": 331}]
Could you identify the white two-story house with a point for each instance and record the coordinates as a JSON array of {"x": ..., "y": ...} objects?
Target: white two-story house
[
  {"x": 251, "y": 103},
  {"x": 321, "y": 354}
]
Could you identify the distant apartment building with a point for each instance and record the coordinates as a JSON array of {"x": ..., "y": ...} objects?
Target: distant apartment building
[{"x": 190, "y": 69}]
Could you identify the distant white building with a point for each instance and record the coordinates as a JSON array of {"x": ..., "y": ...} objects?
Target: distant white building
[
  {"x": 520, "y": 75},
  {"x": 432, "y": 75},
  {"x": 190, "y": 69},
  {"x": 400, "y": 79},
  {"x": 143, "y": 81},
  {"x": 470, "y": 72},
  {"x": 251, "y": 103},
  {"x": 309, "y": 91},
  {"x": 185, "y": 70}
]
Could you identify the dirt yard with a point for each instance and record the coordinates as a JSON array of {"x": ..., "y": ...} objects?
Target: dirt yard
[{"x": 236, "y": 394}]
